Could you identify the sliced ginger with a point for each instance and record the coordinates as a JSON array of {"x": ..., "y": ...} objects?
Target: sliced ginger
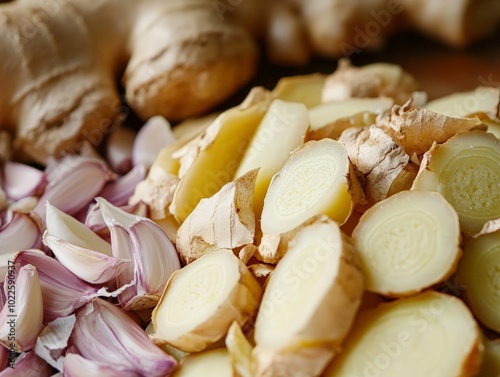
[
  {"x": 316, "y": 179},
  {"x": 466, "y": 171},
  {"x": 305, "y": 89},
  {"x": 479, "y": 274},
  {"x": 202, "y": 299},
  {"x": 281, "y": 131},
  {"x": 217, "y": 154},
  {"x": 407, "y": 243},
  {"x": 223, "y": 221},
  {"x": 491, "y": 362},
  {"x": 309, "y": 304},
  {"x": 214, "y": 363},
  {"x": 240, "y": 350},
  {"x": 431, "y": 334}
]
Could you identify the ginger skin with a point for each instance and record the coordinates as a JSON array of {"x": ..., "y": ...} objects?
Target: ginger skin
[{"x": 58, "y": 77}]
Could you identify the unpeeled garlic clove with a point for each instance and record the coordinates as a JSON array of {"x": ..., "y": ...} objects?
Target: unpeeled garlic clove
[
  {"x": 21, "y": 320},
  {"x": 21, "y": 181},
  {"x": 105, "y": 334},
  {"x": 28, "y": 365},
  {"x": 151, "y": 139},
  {"x": 155, "y": 258},
  {"x": 119, "y": 191},
  {"x": 62, "y": 291},
  {"x": 77, "y": 366},
  {"x": 20, "y": 232},
  {"x": 89, "y": 265},
  {"x": 69, "y": 229},
  {"x": 119, "y": 149},
  {"x": 73, "y": 184}
]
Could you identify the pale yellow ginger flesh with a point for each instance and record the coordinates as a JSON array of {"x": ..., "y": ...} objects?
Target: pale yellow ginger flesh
[
  {"x": 305, "y": 89},
  {"x": 240, "y": 350},
  {"x": 372, "y": 80},
  {"x": 316, "y": 179},
  {"x": 431, "y": 334},
  {"x": 417, "y": 129},
  {"x": 309, "y": 303},
  {"x": 466, "y": 171},
  {"x": 202, "y": 299},
  {"x": 483, "y": 102},
  {"x": 479, "y": 275},
  {"x": 408, "y": 242},
  {"x": 223, "y": 221},
  {"x": 281, "y": 132},
  {"x": 214, "y": 363},
  {"x": 334, "y": 116},
  {"x": 491, "y": 359},
  {"x": 376, "y": 157},
  {"x": 192, "y": 127},
  {"x": 218, "y": 153}
]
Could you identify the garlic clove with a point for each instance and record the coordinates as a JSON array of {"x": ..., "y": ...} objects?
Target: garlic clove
[
  {"x": 53, "y": 341},
  {"x": 77, "y": 366},
  {"x": 73, "y": 184},
  {"x": 62, "y": 291},
  {"x": 28, "y": 365},
  {"x": 11, "y": 241},
  {"x": 119, "y": 149},
  {"x": 89, "y": 265},
  {"x": 105, "y": 334},
  {"x": 21, "y": 320},
  {"x": 21, "y": 181},
  {"x": 4, "y": 202},
  {"x": 153, "y": 136},
  {"x": 155, "y": 258},
  {"x": 71, "y": 230},
  {"x": 24, "y": 205},
  {"x": 119, "y": 191}
]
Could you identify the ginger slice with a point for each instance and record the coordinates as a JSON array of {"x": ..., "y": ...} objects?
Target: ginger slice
[
  {"x": 316, "y": 179},
  {"x": 335, "y": 116},
  {"x": 479, "y": 274},
  {"x": 240, "y": 351},
  {"x": 491, "y": 362},
  {"x": 202, "y": 299},
  {"x": 309, "y": 304},
  {"x": 218, "y": 153},
  {"x": 431, "y": 334},
  {"x": 466, "y": 171},
  {"x": 214, "y": 363},
  {"x": 304, "y": 89},
  {"x": 376, "y": 157},
  {"x": 281, "y": 131},
  {"x": 417, "y": 129},
  {"x": 407, "y": 243},
  {"x": 224, "y": 221}
]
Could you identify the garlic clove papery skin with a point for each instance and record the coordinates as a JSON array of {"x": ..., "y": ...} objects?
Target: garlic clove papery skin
[
  {"x": 103, "y": 333},
  {"x": 119, "y": 149},
  {"x": 28, "y": 365},
  {"x": 21, "y": 318},
  {"x": 91, "y": 266},
  {"x": 155, "y": 257},
  {"x": 21, "y": 180},
  {"x": 71, "y": 230},
  {"x": 73, "y": 184},
  {"x": 118, "y": 192}
]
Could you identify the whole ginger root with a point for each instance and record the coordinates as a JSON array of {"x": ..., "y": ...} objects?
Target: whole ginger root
[{"x": 61, "y": 58}]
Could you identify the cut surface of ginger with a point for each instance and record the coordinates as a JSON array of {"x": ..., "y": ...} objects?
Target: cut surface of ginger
[
  {"x": 479, "y": 274},
  {"x": 309, "y": 304},
  {"x": 432, "y": 335},
  {"x": 214, "y": 363},
  {"x": 316, "y": 179},
  {"x": 281, "y": 131},
  {"x": 466, "y": 171},
  {"x": 408, "y": 242},
  {"x": 202, "y": 299},
  {"x": 305, "y": 89}
]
